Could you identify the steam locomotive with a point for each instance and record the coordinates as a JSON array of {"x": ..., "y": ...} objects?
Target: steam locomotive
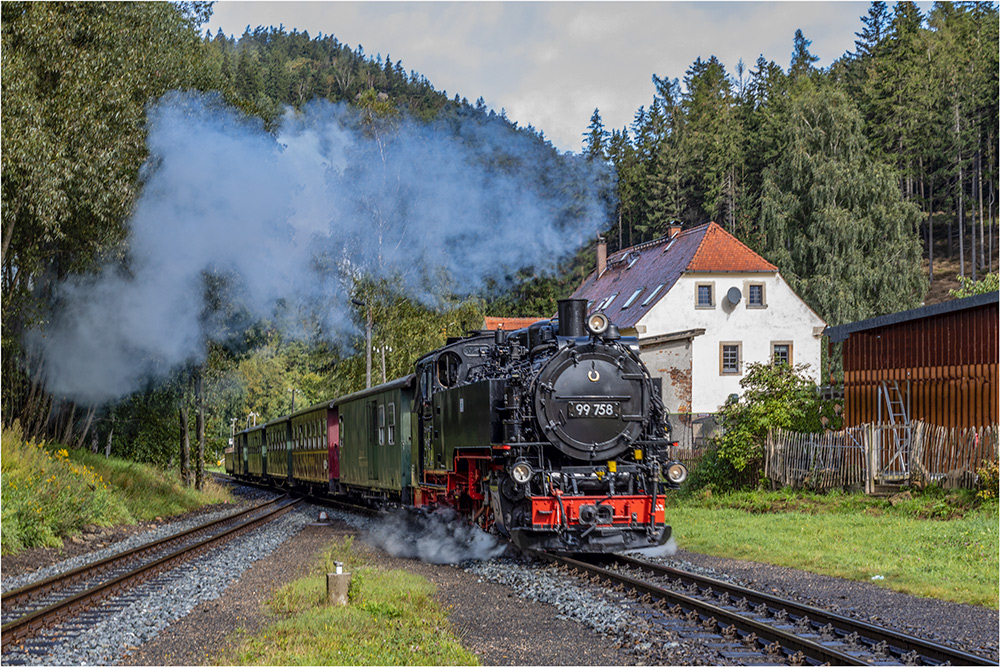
[{"x": 554, "y": 436}]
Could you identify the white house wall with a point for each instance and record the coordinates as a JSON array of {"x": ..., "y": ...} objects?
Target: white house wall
[{"x": 783, "y": 318}]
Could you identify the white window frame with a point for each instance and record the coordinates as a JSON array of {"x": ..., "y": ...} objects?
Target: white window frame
[{"x": 739, "y": 357}]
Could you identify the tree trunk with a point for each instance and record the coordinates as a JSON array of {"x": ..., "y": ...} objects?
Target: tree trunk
[
  {"x": 199, "y": 400},
  {"x": 86, "y": 427},
  {"x": 185, "y": 446},
  {"x": 930, "y": 232},
  {"x": 972, "y": 233},
  {"x": 67, "y": 439},
  {"x": 982, "y": 230},
  {"x": 107, "y": 447}
]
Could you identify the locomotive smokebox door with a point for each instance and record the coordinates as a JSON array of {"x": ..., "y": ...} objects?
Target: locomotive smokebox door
[{"x": 591, "y": 400}]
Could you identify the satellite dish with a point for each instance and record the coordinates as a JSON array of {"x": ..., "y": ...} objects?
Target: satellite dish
[{"x": 734, "y": 295}]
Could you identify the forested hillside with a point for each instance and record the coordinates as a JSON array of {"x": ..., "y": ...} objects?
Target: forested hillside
[
  {"x": 848, "y": 178},
  {"x": 843, "y": 177}
]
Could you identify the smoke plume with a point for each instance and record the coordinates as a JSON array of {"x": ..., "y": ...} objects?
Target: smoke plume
[
  {"x": 438, "y": 537},
  {"x": 234, "y": 219}
]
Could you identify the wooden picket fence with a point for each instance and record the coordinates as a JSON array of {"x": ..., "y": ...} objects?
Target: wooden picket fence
[{"x": 879, "y": 458}]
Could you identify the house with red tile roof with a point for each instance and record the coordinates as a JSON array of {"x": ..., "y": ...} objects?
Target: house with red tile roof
[{"x": 703, "y": 306}]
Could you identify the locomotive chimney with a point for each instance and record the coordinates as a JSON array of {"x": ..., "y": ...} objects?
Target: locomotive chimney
[
  {"x": 572, "y": 313},
  {"x": 602, "y": 255}
]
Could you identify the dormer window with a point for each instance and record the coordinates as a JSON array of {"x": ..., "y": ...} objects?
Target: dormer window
[
  {"x": 652, "y": 295},
  {"x": 632, "y": 298},
  {"x": 607, "y": 302}
]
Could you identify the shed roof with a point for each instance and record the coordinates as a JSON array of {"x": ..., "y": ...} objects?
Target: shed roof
[
  {"x": 641, "y": 275},
  {"x": 509, "y": 323},
  {"x": 843, "y": 332}
]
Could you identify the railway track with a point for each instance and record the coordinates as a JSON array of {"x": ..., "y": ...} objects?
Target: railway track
[
  {"x": 60, "y": 607},
  {"x": 753, "y": 627},
  {"x": 364, "y": 510}
]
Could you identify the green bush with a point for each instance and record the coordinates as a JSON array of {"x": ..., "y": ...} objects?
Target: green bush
[
  {"x": 775, "y": 396},
  {"x": 989, "y": 480},
  {"x": 711, "y": 472}
]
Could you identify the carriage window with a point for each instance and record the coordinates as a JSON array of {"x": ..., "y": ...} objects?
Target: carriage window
[
  {"x": 392, "y": 423},
  {"x": 381, "y": 424},
  {"x": 447, "y": 369}
]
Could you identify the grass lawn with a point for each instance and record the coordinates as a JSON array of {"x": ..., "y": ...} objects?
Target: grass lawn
[
  {"x": 391, "y": 619},
  {"x": 854, "y": 537}
]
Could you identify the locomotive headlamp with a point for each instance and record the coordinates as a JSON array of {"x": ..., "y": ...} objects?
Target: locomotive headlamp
[
  {"x": 677, "y": 473},
  {"x": 597, "y": 323},
  {"x": 521, "y": 472}
]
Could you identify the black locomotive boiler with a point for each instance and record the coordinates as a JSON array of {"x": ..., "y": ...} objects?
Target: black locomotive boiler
[{"x": 553, "y": 436}]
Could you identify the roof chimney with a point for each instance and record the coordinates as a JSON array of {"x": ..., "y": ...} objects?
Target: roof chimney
[
  {"x": 673, "y": 230},
  {"x": 602, "y": 255}
]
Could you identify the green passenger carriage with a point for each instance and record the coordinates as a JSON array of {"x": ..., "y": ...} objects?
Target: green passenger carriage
[{"x": 376, "y": 439}]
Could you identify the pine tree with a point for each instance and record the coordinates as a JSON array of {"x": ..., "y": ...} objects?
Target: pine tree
[
  {"x": 802, "y": 60},
  {"x": 833, "y": 219},
  {"x": 595, "y": 138}
]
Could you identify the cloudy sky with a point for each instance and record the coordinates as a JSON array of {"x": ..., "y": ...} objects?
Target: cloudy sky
[{"x": 550, "y": 64}]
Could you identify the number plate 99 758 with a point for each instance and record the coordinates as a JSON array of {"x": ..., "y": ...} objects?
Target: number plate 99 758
[{"x": 595, "y": 409}]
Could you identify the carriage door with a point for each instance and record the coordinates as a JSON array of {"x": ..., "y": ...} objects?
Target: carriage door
[
  {"x": 425, "y": 416},
  {"x": 375, "y": 433}
]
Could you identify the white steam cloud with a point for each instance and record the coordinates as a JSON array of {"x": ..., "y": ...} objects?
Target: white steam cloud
[
  {"x": 281, "y": 224},
  {"x": 665, "y": 550},
  {"x": 438, "y": 537}
]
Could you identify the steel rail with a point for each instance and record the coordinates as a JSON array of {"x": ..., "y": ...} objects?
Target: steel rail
[
  {"x": 746, "y": 627},
  {"x": 902, "y": 643},
  {"x": 26, "y": 626},
  {"x": 19, "y": 596}
]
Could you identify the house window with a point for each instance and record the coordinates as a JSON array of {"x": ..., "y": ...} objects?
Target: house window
[
  {"x": 652, "y": 295},
  {"x": 730, "y": 356},
  {"x": 632, "y": 298},
  {"x": 755, "y": 295},
  {"x": 608, "y": 302},
  {"x": 704, "y": 295},
  {"x": 781, "y": 353}
]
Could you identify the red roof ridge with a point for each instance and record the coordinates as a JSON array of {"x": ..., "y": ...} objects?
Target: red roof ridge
[{"x": 721, "y": 252}]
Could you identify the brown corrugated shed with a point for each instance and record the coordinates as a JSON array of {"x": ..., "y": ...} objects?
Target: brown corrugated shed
[{"x": 943, "y": 357}]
